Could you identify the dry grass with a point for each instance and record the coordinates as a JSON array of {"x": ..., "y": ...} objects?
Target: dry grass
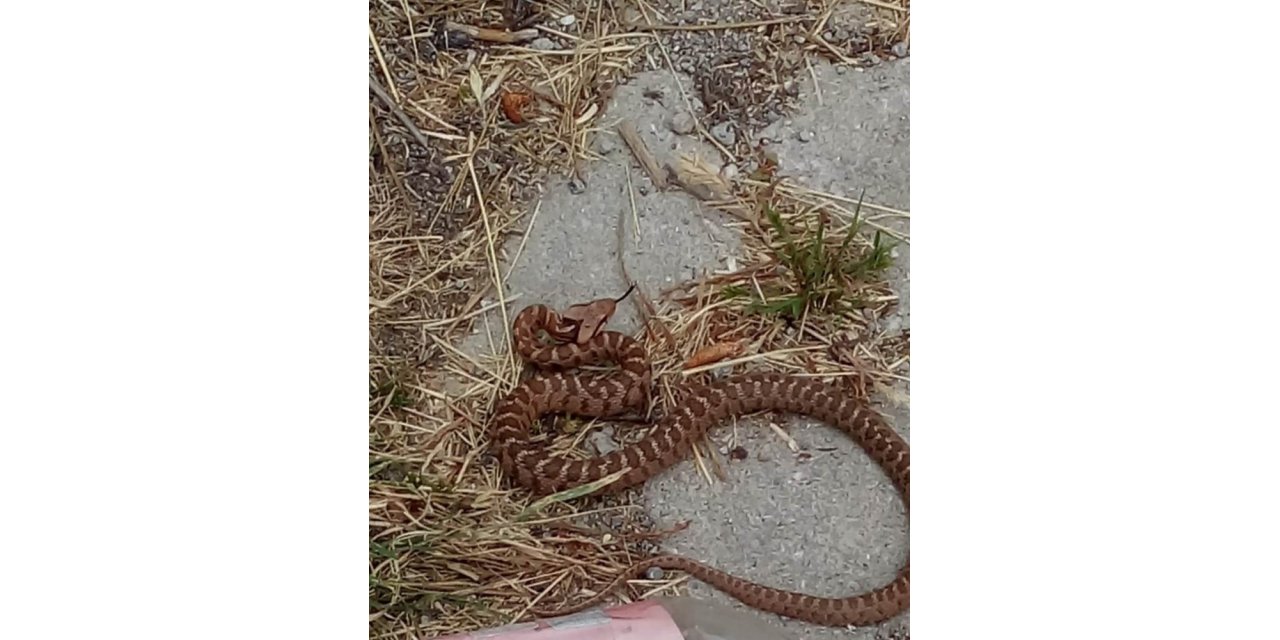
[{"x": 452, "y": 548}]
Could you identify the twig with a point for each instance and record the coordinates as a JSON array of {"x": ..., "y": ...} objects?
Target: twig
[
  {"x": 494, "y": 271},
  {"x": 750, "y": 24},
  {"x": 884, "y": 5},
  {"x": 382, "y": 62},
  {"x": 649, "y": 313},
  {"x": 642, "y": 153},
  {"x": 398, "y": 112},
  {"x": 493, "y": 35}
]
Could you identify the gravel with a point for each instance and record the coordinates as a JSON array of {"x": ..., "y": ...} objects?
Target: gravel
[
  {"x": 723, "y": 133},
  {"x": 544, "y": 44},
  {"x": 682, "y": 123}
]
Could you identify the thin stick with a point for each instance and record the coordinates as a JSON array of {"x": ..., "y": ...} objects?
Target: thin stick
[
  {"x": 493, "y": 35},
  {"x": 382, "y": 63},
  {"x": 642, "y": 153},
  {"x": 884, "y": 5},
  {"x": 493, "y": 256},
  {"x": 519, "y": 250},
  {"x": 399, "y": 114},
  {"x": 751, "y": 24},
  {"x": 647, "y": 311}
]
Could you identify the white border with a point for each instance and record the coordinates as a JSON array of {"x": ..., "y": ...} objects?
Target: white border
[{"x": 183, "y": 256}]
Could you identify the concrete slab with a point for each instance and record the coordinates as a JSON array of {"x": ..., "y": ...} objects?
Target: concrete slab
[{"x": 826, "y": 520}]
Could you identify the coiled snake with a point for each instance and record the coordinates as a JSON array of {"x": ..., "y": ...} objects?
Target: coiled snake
[{"x": 702, "y": 406}]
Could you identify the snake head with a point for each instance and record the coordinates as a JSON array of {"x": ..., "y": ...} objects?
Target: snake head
[{"x": 582, "y": 322}]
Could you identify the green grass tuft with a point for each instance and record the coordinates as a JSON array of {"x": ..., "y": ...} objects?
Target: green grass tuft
[{"x": 821, "y": 274}]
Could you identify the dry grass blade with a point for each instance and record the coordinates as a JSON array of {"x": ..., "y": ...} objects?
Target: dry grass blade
[{"x": 572, "y": 494}]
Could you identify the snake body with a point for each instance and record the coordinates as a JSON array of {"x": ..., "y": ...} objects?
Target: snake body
[{"x": 555, "y": 389}]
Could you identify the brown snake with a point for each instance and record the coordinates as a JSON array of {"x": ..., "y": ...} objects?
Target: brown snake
[{"x": 701, "y": 407}]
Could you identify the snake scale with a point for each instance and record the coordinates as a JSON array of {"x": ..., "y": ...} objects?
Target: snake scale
[{"x": 553, "y": 388}]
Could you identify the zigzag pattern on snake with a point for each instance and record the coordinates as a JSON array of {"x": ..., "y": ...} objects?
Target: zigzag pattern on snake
[{"x": 702, "y": 406}]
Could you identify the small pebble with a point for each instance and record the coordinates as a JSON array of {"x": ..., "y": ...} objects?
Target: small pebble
[
  {"x": 544, "y": 44},
  {"x": 729, "y": 172},
  {"x": 723, "y": 134},
  {"x": 654, "y": 573},
  {"x": 606, "y": 144},
  {"x": 567, "y": 20},
  {"x": 682, "y": 123},
  {"x": 805, "y": 136},
  {"x": 900, "y": 49}
]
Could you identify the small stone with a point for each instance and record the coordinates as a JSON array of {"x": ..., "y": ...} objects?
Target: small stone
[
  {"x": 544, "y": 44},
  {"x": 682, "y": 123},
  {"x": 567, "y": 20},
  {"x": 805, "y": 136},
  {"x": 603, "y": 443},
  {"x": 654, "y": 573},
  {"x": 729, "y": 172},
  {"x": 606, "y": 144},
  {"x": 900, "y": 49},
  {"x": 723, "y": 134},
  {"x": 841, "y": 69}
]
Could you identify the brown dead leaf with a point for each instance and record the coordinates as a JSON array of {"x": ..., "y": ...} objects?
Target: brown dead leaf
[
  {"x": 714, "y": 353},
  {"x": 513, "y": 104}
]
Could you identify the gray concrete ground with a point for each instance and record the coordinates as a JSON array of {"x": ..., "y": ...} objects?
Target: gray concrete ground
[{"x": 827, "y": 522}]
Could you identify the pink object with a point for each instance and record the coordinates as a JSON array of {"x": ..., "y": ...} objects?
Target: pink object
[{"x": 645, "y": 620}]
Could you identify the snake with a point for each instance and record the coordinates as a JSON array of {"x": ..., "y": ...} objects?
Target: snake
[{"x": 554, "y": 387}]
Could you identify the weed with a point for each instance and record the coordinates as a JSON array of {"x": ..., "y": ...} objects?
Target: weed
[{"x": 821, "y": 273}]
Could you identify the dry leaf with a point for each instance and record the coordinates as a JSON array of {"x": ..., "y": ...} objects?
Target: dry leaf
[
  {"x": 713, "y": 353},
  {"x": 513, "y": 103}
]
